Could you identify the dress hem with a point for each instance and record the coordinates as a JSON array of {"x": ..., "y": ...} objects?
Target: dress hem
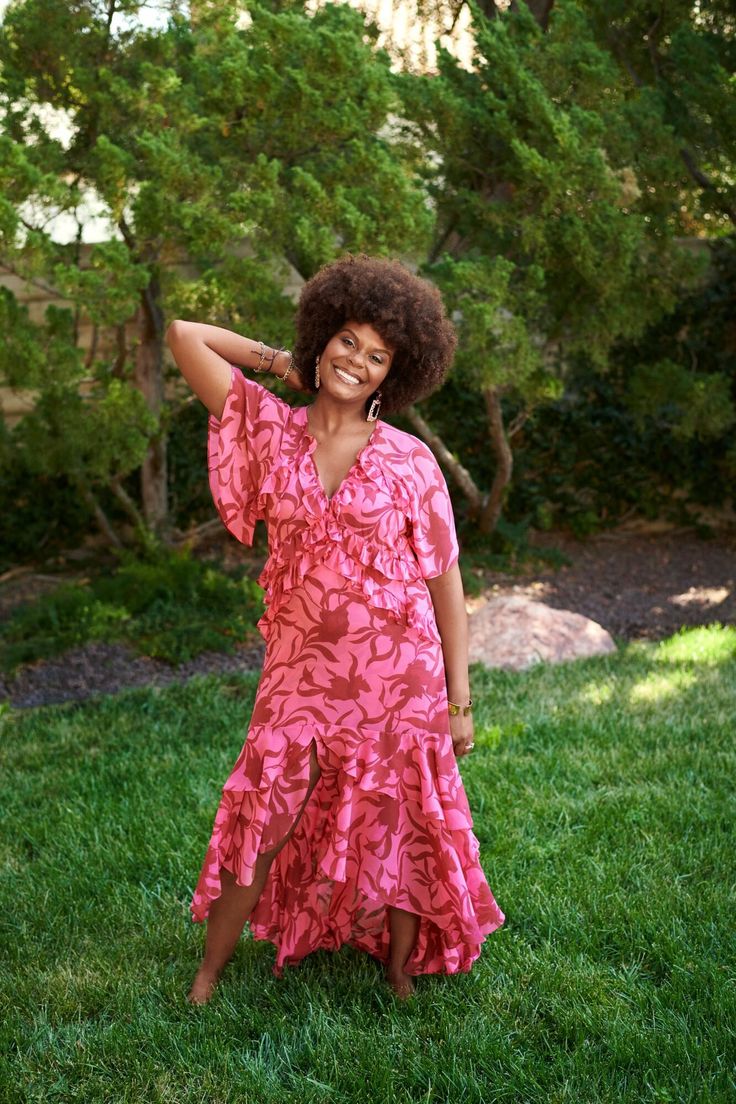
[{"x": 376, "y": 948}]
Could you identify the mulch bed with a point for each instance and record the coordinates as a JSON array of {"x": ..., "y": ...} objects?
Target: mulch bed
[
  {"x": 636, "y": 585},
  {"x": 99, "y": 668}
]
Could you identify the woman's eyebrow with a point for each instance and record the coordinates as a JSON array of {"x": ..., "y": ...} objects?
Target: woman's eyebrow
[{"x": 378, "y": 349}]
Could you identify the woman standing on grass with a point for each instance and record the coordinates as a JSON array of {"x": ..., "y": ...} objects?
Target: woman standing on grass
[{"x": 344, "y": 818}]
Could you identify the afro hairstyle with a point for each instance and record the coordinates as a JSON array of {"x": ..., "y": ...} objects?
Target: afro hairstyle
[{"x": 406, "y": 310}]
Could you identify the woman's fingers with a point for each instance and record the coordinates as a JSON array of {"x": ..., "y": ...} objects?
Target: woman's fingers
[{"x": 461, "y": 728}]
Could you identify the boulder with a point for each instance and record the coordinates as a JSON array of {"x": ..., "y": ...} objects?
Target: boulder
[{"x": 515, "y": 632}]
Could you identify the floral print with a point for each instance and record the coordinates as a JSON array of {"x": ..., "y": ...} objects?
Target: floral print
[{"x": 353, "y": 667}]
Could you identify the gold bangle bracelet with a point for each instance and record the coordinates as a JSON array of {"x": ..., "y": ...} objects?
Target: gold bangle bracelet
[
  {"x": 291, "y": 362},
  {"x": 455, "y": 709}
]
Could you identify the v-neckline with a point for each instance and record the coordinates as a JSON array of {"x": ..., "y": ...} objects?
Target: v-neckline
[{"x": 310, "y": 436}]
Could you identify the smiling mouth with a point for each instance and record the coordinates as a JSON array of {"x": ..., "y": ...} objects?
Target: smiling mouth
[{"x": 347, "y": 377}]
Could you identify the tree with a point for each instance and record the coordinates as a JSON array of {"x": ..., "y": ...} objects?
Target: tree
[
  {"x": 682, "y": 57},
  {"x": 558, "y": 190},
  {"x": 192, "y": 139}
]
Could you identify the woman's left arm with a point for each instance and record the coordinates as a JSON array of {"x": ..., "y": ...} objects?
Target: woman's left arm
[{"x": 448, "y": 600}]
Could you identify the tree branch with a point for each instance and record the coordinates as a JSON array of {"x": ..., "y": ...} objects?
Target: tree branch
[
  {"x": 517, "y": 423},
  {"x": 99, "y": 514},
  {"x": 707, "y": 184},
  {"x": 504, "y": 461},
  {"x": 31, "y": 280},
  {"x": 461, "y": 475},
  {"x": 193, "y": 536},
  {"x": 127, "y": 503}
]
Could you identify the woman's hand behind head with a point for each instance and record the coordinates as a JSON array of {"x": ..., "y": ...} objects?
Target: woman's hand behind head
[{"x": 294, "y": 379}]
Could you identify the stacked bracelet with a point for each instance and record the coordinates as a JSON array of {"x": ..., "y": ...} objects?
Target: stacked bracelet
[
  {"x": 261, "y": 358},
  {"x": 455, "y": 709}
]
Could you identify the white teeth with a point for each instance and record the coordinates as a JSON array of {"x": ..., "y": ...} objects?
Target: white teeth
[{"x": 344, "y": 375}]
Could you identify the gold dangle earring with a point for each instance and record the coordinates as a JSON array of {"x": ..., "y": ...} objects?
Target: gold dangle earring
[
  {"x": 316, "y": 372},
  {"x": 373, "y": 413}
]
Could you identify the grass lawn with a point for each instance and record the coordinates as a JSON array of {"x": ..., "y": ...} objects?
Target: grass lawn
[{"x": 603, "y": 797}]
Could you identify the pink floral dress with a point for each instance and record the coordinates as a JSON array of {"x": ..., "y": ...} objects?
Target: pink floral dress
[{"x": 354, "y": 664}]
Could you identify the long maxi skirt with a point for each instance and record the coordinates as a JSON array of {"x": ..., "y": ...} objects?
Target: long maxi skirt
[{"x": 388, "y": 823}]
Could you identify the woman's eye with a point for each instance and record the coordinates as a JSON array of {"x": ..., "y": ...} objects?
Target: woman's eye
[{"x": 349, "y": 341}]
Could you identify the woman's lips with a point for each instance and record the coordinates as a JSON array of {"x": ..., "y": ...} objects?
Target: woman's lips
[{"x": 344, "y": 379}]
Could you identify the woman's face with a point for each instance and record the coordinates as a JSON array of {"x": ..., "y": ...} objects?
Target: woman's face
[{"x": 355, "y": 352}]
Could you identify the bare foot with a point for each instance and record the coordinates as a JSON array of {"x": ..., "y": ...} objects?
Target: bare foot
[
  {"x": 400, "y": 983},
  {"x": 203, "y": 987}
]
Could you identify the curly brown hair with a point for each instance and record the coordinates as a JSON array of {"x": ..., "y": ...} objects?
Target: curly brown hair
[{"x": 405, "y": 309}]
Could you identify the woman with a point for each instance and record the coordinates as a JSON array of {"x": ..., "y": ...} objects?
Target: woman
[{"x": 344, "y": 818}]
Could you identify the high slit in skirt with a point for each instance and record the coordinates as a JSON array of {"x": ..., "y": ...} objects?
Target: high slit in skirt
[{"x": 388, "y": 822}]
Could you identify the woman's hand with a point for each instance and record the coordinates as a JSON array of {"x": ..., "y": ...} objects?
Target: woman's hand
[{"x": 461, "y": 729}]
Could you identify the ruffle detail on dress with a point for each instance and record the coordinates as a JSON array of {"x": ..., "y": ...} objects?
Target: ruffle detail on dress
[
  {"x": 385, "y": 580},
  {"x": 259, "y": 802},
  {"x": 385, "y": 825},
  {"x": 296, "y": 449},
  {"x": 388, "y": 576}
]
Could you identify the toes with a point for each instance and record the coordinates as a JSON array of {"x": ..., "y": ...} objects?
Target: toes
[
  {"x": 198, "y": 996},
  {"x": 402, "y": 987},
  {"x": 403, "y": 991},
  {"x": 201, "y": 991}
]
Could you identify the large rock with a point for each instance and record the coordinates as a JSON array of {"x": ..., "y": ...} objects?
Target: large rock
[{"x": 515, "y": 632}]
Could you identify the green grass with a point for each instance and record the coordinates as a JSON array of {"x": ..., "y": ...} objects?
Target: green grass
[{"x": 603, "y": 798}]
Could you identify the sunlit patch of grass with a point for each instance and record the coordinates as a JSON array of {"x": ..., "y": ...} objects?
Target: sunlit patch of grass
[
  {"x": 595, "y": 693},
  {"x": 709, "y": 644},
  {"x": 656, "y": 688}
]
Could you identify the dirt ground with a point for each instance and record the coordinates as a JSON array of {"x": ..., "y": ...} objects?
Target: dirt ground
[{"x": 636, "y": 584}]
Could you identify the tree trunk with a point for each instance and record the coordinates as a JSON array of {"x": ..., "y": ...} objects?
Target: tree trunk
[
  {"x": 150, "y": 380},
  {"x": 99, "y": 514},
  {"x": 461, "y": 475},
  {"x": 504, "y": 461},
  {"x": 486, "y": 508}
]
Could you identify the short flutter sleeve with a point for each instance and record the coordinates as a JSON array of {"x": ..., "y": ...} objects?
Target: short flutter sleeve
[
  {"x": 241, "y": 447},
  {"x": 433, "y": 536}
]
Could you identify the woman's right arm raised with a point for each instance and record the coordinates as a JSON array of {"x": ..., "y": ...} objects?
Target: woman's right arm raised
[{"x": 204, "y": 354}]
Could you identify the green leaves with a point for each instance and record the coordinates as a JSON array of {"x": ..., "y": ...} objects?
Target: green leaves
[
  {"x": 232, "y": 150},
  {"x": 545, "y": 189},
  {"x": 689, "y": 404}
]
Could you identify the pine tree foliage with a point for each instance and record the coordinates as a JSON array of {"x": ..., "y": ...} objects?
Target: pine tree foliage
[
  {"x": 237, "y": 146},
  {"x": 561, "y": 198}
]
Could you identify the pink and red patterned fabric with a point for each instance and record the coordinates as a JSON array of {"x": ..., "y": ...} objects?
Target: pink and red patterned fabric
[{"x": 354, "y": 665}]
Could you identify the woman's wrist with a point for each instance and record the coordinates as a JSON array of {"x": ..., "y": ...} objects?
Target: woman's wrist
[
  {"x": 262, "y": 357},
  {"x": 280, "y": 363},
  {"x": 460, "y": 695}
]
